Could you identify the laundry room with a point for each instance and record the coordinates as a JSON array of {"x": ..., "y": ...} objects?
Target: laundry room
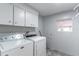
[{"x": 39, "y": 29}]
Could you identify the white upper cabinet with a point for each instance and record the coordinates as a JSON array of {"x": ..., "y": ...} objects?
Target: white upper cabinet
[
  {"x": 19, "y": 16},
  {"x": 6, "y": 14},
  {"x": 29, "y": 21},
  {"x": 31, "y": 18},
  {"x": 35, "y": 20}
]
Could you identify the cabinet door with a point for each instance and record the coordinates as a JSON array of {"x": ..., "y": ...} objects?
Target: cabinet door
[
  {"x": 31, "y": 19},
  {"x": 19, "y": 16},
  {"x": 35, "y": 20},
  {"x": 6, "y": 13}
]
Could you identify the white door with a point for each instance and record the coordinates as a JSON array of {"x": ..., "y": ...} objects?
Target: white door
[
  {"x": 19, "y": 16},
  {"x": 35, "y": 20},
  {"x": 29, "y": 19},
  {"x": 6, "y": 14}
]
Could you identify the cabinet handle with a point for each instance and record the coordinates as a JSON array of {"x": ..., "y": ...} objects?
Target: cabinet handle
[
  {"x": 6, "y": 55},
  {"x": 15, "y": 22},
  {"x": 21, "y": 47},
  {"x": 32, "y": 24},
  {"x": 9, "y": 21}
]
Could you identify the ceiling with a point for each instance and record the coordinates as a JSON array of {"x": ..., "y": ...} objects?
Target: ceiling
[{"x": 46, "y": 9}]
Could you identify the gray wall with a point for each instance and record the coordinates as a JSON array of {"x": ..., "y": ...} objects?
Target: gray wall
[
  {"x": 40, "y": 25},
  {"x": 8, "y": 28},
  {"x": 67, "y": 42}
]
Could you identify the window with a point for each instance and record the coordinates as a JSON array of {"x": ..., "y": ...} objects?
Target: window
[{"x": 64, "y": 25}]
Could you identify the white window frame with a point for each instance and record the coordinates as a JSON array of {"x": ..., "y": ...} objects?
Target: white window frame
[{"x": 65, "y": 25}]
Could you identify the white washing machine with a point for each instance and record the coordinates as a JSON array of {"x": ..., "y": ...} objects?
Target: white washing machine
[
  {"x": 39, "y": 45},
  {"x": 15, "y": 45}
]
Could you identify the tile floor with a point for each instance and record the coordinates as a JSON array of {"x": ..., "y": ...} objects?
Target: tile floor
[{"x": 55, "y": 53}]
